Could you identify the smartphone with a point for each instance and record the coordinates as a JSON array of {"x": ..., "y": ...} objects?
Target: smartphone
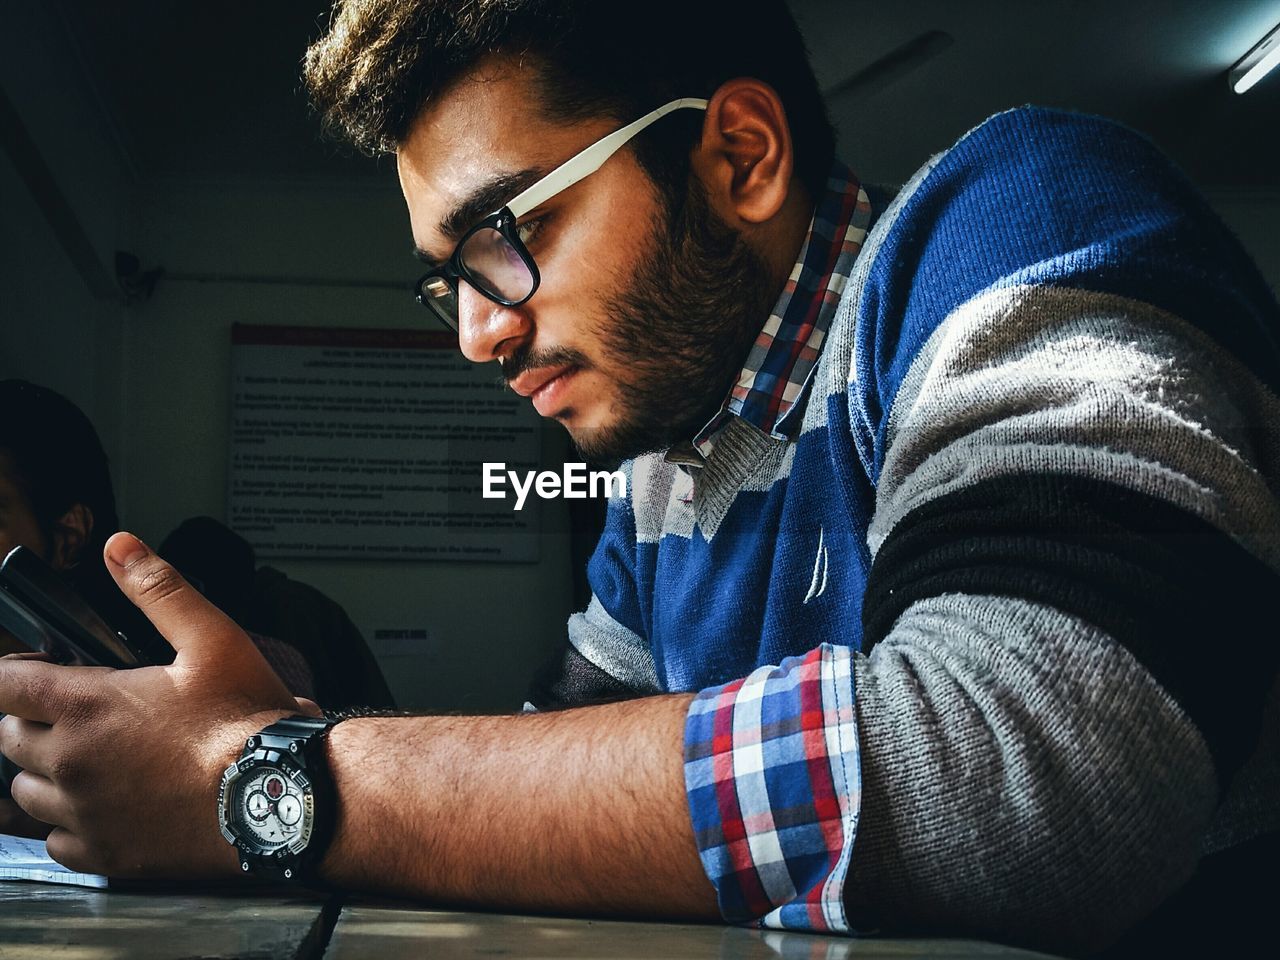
[{"x": 43, "y": 611}]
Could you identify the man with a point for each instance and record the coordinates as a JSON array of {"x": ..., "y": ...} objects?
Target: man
[{"x": 950, "y": 530}]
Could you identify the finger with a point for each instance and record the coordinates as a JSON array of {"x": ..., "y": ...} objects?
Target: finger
[
  {"x": 40, "y": 799},
  {"x": 10, "y": 645},
  {"x": 309, "y": 708},
  {"x": 39, "y": 691},
  {"x": 17, "y": 823},
  {"x": 71, "y": 851},
  {"x": 29, "y": 655},
  {"x": 26, "y": 743},
  {"x": 178, "y": 610}
]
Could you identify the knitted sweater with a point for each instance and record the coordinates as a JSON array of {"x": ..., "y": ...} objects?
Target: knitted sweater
[{"x": 1020, "y": 554}]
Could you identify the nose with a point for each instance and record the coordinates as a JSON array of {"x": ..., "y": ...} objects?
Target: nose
[{"x": 487, "y": 330}]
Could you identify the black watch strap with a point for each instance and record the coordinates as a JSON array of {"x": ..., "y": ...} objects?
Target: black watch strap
[{"x": 305, "y": 732}]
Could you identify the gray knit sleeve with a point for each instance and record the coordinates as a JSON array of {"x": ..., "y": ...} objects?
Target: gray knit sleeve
[
  {"x": 1075, "y": 528},
  {"x": 603, "y": 661}
]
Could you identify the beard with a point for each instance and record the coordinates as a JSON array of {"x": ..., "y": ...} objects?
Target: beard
[{"x": 679, "y": 333}]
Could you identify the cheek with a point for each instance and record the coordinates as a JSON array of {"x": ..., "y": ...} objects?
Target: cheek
[
  {"x": 599, "y": 246},
  {"x": 21, "y": 532}
]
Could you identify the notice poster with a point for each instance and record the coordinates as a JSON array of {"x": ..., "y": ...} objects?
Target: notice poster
[{"x": 350, "y": 443}]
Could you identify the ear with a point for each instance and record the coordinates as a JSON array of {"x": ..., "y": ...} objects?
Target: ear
[
  {"x": 745, "y": 158},
  {"x": 70, "y": 534}
]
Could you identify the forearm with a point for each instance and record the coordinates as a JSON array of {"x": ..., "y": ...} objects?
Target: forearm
[{"x": 580, "y": 811}]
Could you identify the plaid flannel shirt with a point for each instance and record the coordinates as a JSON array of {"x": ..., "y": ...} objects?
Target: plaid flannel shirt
[
  {"x": 771, "y": 761},
  {"x": 774, "y": 380}
]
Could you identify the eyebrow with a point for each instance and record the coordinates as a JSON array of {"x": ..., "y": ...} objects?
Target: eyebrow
[{"x": 483, "y": 200}]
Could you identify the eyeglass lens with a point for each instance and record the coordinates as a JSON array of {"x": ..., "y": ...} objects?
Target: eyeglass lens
[
  {"x": 438, "y": 294},
  {"x": 496, "y": 266}
]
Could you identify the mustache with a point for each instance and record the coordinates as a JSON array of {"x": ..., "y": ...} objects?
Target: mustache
[{"x": 528, "y": 359}]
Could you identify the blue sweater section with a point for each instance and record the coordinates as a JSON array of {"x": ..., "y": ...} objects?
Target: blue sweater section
[{"x": 1032, "y": 196}]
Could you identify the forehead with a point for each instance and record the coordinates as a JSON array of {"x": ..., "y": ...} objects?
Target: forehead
[{"x": 487, "y": 124}]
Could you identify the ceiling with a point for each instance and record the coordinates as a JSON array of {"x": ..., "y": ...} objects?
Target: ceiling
[{"x": 194, "y": 91}]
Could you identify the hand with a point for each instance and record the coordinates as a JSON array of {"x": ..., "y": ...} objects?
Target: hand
[
  {"x": 13, "y": 820},
  {"x": 126, "y": 764},
  {"x": 16, "y": 823}
]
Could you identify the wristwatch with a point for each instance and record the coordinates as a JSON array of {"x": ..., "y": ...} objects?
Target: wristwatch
[{"x": 276, "y": 803}]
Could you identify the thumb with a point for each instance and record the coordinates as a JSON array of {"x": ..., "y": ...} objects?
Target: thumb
[
  {"x": 309, "y": 708},
  {"x": 178, "y": 610}
]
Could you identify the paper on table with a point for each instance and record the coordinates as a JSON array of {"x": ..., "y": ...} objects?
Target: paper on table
[{"x": 23, "y": 859}]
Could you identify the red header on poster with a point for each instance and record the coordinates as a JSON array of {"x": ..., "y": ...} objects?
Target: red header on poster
[{"x": 243, "y": 334}]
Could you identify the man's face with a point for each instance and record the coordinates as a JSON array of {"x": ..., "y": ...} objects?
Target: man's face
[{"x": 642, "y": 319}]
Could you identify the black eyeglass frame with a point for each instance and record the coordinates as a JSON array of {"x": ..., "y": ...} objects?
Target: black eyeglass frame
[{"x": 505, "y": 223}]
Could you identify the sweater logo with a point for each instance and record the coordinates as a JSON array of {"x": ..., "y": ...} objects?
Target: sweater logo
[{"x": 818, "y": 582}]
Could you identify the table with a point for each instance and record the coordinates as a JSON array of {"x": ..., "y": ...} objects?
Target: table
[
  {"x": 373, "y": 930},
  {"x": 151, "y": 923},
  {"x": 39, "y": 922}
]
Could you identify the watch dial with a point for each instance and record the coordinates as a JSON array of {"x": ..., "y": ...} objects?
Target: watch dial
[
  {"x": 270, "y": 807},
  {"x": 258, "y": 806}
]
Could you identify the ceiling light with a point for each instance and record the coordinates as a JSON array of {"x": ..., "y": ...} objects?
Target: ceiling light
[{"x": 1257, "y": 63}]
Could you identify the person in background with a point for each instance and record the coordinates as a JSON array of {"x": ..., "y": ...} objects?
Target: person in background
[
  {"x": 57, "y": 499},
  {"x": 268, "y": 604}
]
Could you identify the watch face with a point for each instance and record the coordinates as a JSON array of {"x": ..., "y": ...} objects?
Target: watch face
[{"x": 271, "y": 810}]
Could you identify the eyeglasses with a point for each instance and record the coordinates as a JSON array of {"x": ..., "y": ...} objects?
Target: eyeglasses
[{"x": 492, "y": 258}]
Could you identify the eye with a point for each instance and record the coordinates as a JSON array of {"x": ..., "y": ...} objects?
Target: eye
[{"x": 529, "y": 229}]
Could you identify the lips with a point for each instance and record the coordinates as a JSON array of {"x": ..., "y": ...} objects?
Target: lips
[
  {"x": 550, "y": 388},
  {"x": 531, "y": 381}
]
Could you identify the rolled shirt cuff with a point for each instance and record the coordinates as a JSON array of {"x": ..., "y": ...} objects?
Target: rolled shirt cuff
[{"x": 772, "y": 774}]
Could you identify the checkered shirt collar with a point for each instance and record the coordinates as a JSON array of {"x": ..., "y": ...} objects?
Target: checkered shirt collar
[{"x": 771, "y": 389}]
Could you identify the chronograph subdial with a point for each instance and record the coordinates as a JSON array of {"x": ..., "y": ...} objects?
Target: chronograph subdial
[
  {"x": 258, "y": 806},
  {"x": 275, "y": 787},
  {"x": 289, "y": 810}
]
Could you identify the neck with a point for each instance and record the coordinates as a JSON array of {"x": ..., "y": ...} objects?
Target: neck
[{"x": 778, "y": 242}]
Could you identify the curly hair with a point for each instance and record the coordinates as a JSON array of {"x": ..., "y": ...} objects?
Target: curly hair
[{"x": 382, "y": 61}]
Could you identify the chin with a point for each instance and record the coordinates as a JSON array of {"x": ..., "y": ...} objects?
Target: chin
[{"x": 607, "y": 433}]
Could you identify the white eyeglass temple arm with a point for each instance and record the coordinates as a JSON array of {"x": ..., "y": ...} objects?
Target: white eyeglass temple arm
[{"x": 592, "y": 158}]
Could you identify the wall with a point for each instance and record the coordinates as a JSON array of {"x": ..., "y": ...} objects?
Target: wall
[
  {"x": 1254, "y": 215},
  {"x": 54, "y": 329},
  {"x": 297, "y": 253},
  {"x": 311, "y": 254}
]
